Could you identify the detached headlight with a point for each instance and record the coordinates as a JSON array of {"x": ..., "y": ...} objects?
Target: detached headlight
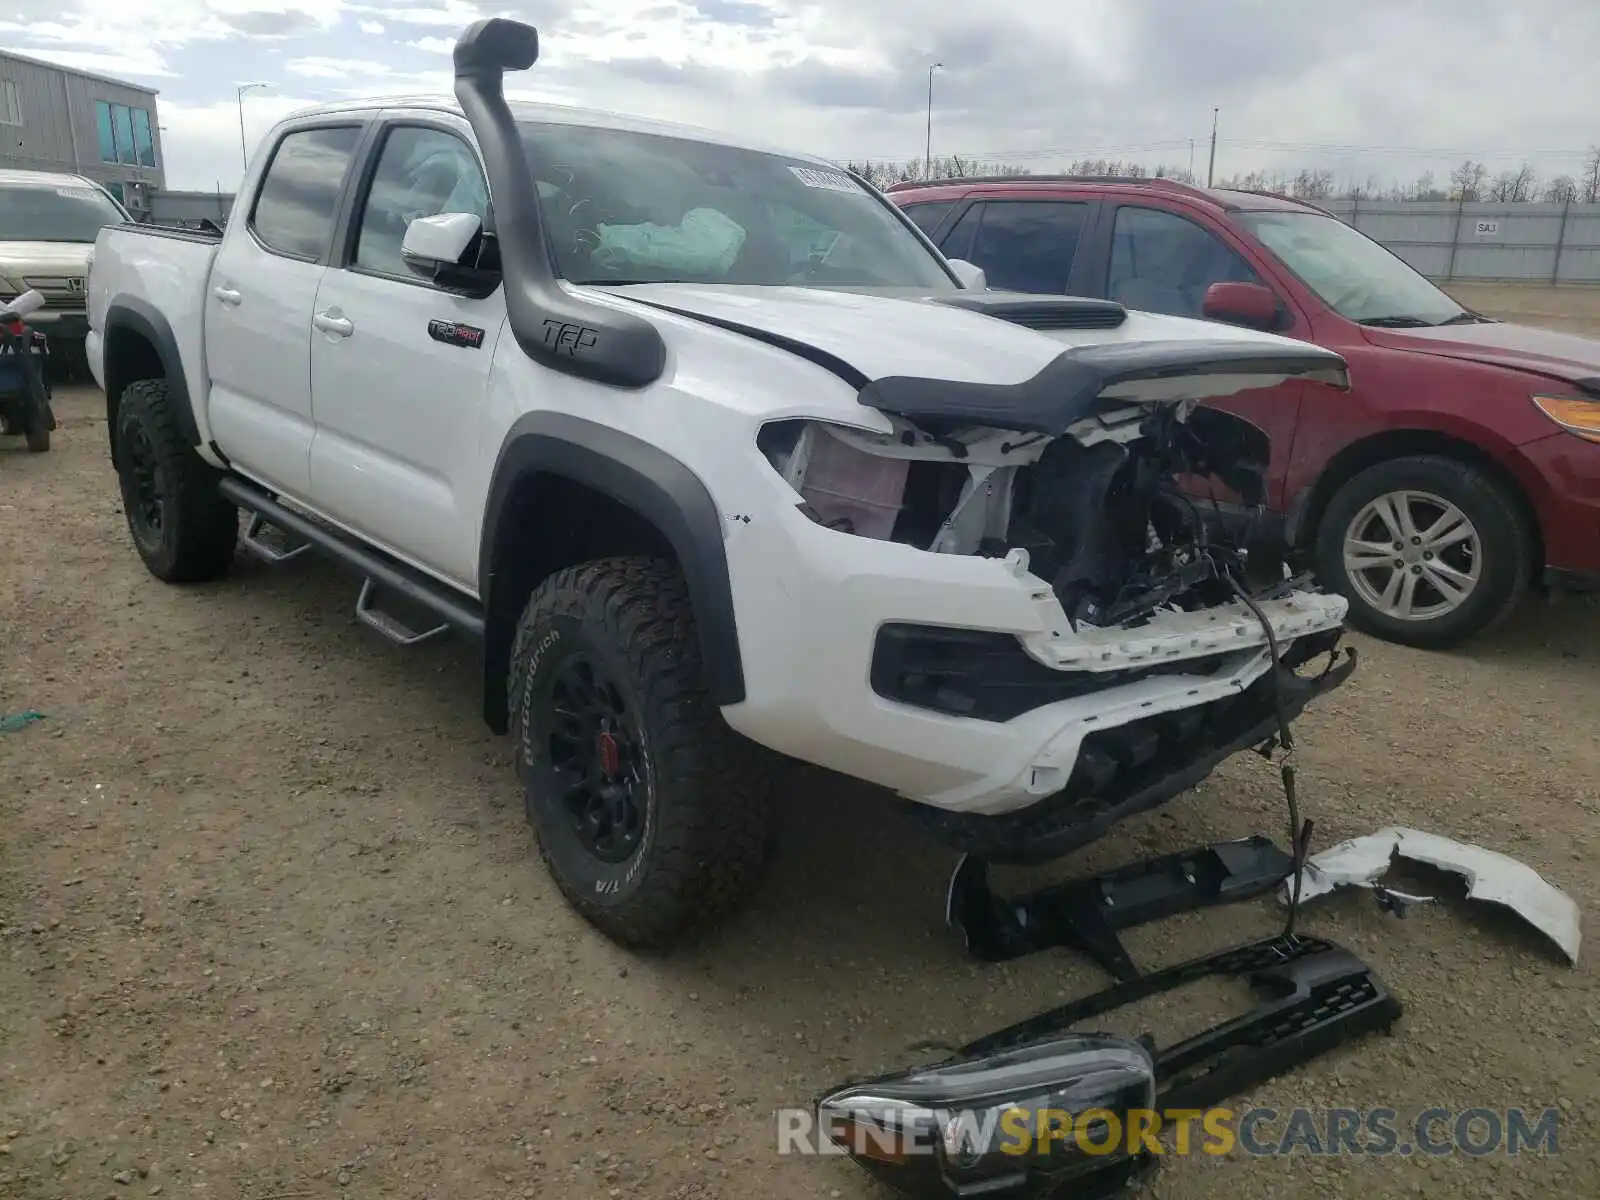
[
  {"x": 1575, "y": 414},
  {"x": 1015, "y": 1122}
]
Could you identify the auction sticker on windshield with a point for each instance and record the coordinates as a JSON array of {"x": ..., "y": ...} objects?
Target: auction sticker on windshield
[{"x": 833, "y": 181}]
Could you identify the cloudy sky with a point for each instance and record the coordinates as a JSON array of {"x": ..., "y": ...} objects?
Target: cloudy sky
[{"x": 1362, "y": 87}]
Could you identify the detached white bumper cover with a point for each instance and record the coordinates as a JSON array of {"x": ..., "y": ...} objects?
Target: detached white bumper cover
[{"x": 1491, "y": 876}]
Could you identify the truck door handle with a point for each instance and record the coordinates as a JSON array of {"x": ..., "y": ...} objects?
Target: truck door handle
[
  {"x": 338, "y": 326},
  {"x": 227, "y": 295}
]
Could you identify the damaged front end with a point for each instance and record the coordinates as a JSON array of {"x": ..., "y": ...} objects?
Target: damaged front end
[
  {"x": 1097, "y": 513},
  {"x": 1082, "y": 481}
]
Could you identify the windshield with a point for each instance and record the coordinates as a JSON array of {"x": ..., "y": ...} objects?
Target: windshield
[
  {"x": 31, "y": 213},
  {"x": 626, "y": 207},
  {"x": 1353, "y": 275}
]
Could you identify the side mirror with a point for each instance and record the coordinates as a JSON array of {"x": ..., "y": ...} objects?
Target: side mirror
[
  {"x": 1249, "y": 304},
  {"x": 442, "y": 249},
  {"x": 972, "y": 277}
]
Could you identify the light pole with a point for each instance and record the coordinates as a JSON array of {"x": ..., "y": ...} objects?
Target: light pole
[
  {"x": 1211, "y": 166},
  {"x": 927, "y": 149},
  {"x": 244, "y": 152}
]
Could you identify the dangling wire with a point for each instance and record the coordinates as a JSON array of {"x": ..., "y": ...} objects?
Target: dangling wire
[{"x": 1299, "y": 835}]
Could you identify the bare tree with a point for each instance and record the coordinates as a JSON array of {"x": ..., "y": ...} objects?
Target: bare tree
[
  {"x": 1591, "y": 177},
  {"x": 1513, "y": 187},
  {"x": 1467, "y": 180},
  {"x": 1563, "y": 189},
  {"x": 1312, "y": 185}
]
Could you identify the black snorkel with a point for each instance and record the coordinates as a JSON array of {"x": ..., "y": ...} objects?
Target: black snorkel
[{"x": 553, "y": 327}]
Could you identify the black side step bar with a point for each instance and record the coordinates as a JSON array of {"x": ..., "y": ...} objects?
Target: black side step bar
[{"x": 452, "y": 607}]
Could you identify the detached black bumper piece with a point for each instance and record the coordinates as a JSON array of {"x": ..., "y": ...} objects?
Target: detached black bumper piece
[
  {"x": 1315, "y": 996},
  {"x": 1128, "y": 769},
  {"x": 1086, "y": 914}
]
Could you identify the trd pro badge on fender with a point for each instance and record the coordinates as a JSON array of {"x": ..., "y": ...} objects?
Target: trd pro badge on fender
[{"x": 448, "y": 332}]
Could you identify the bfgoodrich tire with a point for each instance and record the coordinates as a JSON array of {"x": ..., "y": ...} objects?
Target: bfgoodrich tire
[
  {"x": 1430, "y": 551},
  {"x": 182, "y": 527},
  {"x": 654, "y": 818}
]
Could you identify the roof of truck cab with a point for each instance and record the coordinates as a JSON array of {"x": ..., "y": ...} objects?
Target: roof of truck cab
[{"x": 563, "y": 114}]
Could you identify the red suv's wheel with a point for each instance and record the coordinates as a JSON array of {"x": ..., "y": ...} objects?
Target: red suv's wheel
[{"x": 1430, "y": 551}]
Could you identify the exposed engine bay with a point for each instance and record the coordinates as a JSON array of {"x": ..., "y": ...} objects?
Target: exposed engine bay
[{"x": 1098, "y": 513}]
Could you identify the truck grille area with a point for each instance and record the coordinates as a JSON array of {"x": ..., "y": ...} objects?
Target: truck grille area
[
  {"x": 1128, "y": 769},
  {"x": 988, "y": 676}
]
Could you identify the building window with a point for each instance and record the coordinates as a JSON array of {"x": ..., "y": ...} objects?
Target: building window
[
  {"x": 108, "y": 139},
  {"x": 143, "y": 146},
  {"x": 122, "y": 118},
  {"x": 10, "y": 105},
  {"x": 124, "y": 134}
]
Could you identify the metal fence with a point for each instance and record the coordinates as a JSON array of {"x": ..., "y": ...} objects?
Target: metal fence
[{"x": 1448, "y": 240}]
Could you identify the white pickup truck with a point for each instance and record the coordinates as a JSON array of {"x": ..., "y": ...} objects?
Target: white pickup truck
[{"x": 717, "y": 456}]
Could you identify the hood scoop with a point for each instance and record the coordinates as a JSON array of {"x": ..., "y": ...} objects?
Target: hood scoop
[{"x": 1040, "y": 312}]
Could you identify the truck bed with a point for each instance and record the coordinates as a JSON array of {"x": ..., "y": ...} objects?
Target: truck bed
[{"x": 163, "y": 272}]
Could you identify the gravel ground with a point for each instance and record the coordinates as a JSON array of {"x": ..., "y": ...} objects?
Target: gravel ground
[{"x": 272, "y": 925}]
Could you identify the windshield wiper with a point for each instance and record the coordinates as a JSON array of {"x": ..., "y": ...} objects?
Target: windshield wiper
[
  {"x": 1468, "y": 318},
  {"x": 1397, "y": 322}
]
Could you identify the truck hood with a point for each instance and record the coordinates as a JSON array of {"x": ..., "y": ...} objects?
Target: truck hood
[
  {"x": 44, "y": 258},
  {"x": 1564, "y": 356},
  {"x": 969, "y": 357}
]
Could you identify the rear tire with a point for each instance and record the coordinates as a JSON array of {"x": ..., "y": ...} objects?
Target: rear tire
[
  {"x": 1374, "y": 547},
  {"x": 183, "y": 528},
  {"x": 654, "y": 817}
]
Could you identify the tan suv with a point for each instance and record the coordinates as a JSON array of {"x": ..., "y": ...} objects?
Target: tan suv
[{"x": 48, "y": 223}]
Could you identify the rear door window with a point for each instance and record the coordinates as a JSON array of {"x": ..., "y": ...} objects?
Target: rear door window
[
  {"x": 299, "y": 198},
  {"x": 1164, "y": 263},
  {"x": 1028, "y": 245}
]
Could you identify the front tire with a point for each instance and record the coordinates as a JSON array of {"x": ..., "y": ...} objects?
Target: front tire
[
  {"x": 183, "y": 528},
  {"x": 1430, "y": 551},
  {"x": 654, "y": 818}
]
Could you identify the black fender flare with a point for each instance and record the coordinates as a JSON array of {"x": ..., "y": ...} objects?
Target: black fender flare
[
  {"x": 643, "y": 478},
  {"x": 133, "y": 315}
]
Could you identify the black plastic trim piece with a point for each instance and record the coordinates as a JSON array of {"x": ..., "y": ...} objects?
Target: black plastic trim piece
[
  {"x": 1068, "y": 388},
  {"x": 1086, "y": 914},
  {"x": 177, "y": 234},
  {"x": 651, "y": 483},
  {"x": 554, "y": 327},
  {"x": 1041, "y": 312},
  {"x": 986, "y": 675},
  {"x": 137, "y": 315},
  {"x": 452, "y": 606},
  {"x": 1318, "y": 996}
]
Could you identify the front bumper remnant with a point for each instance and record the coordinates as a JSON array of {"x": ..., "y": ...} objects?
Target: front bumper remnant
[
  {"x": 1128, "y": 769},
  {"x": 1315, "y": 996}
]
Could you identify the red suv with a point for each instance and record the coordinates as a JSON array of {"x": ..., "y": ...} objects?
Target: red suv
[{"x": 1462, "y": 468}]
